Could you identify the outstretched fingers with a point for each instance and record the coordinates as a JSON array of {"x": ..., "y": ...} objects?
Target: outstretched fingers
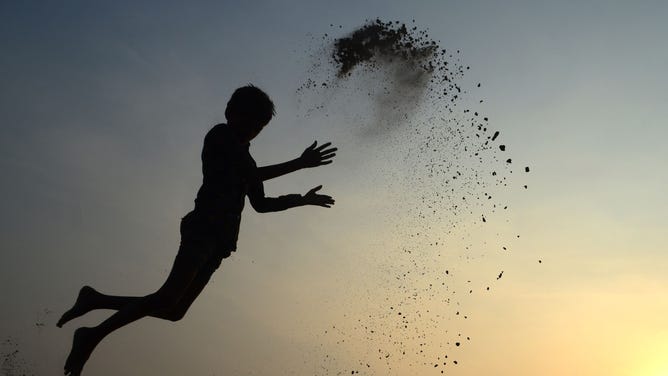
[
  {"x": 326, "y": 155},
  {"x": 314, "y": 190},
  {"x": 315, "y": 155},
  {"x": 326, "y": 201},
  {"x": 312, "y": 198},
  {"x": 321, "y": 147}
]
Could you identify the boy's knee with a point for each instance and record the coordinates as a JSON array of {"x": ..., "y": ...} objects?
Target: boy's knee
[
  {"x": 164, "y": 302},
  {"x": 169, "y": 306},
  {"x": 175, "y": 315}
]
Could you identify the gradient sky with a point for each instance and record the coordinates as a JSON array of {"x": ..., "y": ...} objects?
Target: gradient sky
[{"x": 103, "y": 108}]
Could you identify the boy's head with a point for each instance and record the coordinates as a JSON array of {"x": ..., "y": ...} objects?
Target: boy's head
[{"x": 250, "y": 109}]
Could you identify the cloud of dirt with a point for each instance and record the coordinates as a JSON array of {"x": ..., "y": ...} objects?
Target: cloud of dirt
[
  {"x": 442, "y": 166},
  {"x": 395, "y": 66}
]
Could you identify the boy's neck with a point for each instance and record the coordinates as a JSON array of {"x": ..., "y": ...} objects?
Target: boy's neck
[{"x": 236, "y": 130}]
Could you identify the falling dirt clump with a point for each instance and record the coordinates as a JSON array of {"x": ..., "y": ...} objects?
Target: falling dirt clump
[
  {"x": 397, "y": 69},
  {"x": 382, "y": 40}
]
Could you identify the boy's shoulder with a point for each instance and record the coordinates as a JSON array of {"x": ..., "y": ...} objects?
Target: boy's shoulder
[
  {"x": 217, "y": 130},
  {"x": 221, "y": 138},
  {"x": 219, "y": 134}
]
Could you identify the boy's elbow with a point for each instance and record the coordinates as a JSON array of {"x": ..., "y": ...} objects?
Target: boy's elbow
[{"x": 260, "y": 207}]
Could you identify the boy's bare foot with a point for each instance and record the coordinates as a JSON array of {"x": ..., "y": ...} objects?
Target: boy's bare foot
[
  {"x": 82, "y": 306},
  {"x": 83, "y": 344}
]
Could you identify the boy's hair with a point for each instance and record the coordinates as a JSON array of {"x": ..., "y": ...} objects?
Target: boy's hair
[{"x": 250, "y": 102}]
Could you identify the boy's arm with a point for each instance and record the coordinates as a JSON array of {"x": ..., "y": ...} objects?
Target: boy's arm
[
  {"x": 313, "y": 156},
  {"x": 274, "y": 171},
  {"x": 263, "y": 204}
]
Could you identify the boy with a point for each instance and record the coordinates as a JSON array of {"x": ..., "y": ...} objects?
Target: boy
[{"x": 209, "y": 232}]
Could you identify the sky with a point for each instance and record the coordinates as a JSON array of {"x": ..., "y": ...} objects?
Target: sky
[{"x": 103, "y": 109}]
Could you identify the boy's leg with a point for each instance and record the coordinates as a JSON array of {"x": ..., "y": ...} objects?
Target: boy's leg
[
  {"x": 177, "y": 312},
  {"x": 193, "y": 241},
  {"x": 183, "y": 272},
  {"x": 90, "y": 299}
]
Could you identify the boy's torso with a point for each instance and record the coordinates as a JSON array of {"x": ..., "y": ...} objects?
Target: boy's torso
[{"x": 227, "y": 167}]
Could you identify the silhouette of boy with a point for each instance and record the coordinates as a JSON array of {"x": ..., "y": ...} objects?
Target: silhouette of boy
[{"x": 209, "y": 232}]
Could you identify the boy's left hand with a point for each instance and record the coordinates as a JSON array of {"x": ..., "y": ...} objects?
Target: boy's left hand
[
  {"x": 313, "y": 198},
  {"x": 315, "y": 155}
]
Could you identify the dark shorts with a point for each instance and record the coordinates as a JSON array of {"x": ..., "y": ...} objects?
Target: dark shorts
[{"x": 208, "y": 239}]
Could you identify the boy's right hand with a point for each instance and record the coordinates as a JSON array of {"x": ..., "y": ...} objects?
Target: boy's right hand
[
  {"x": 315, "y": 155},
  {"x": 312, "y": 198}
]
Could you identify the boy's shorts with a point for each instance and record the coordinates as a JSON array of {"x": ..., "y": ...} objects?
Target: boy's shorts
[{"x": 208, "y": 239}]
